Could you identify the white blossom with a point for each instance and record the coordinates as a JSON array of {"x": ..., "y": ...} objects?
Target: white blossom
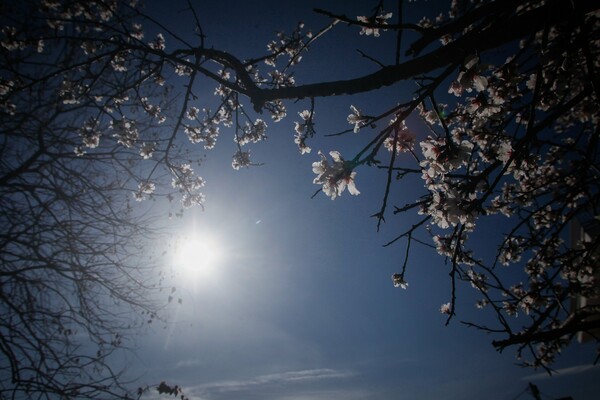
[
  {"x": 252, "y": 133},
  {"x": 144, "y": 188},
  {"x": 147, "y": 149},
  {"x": 185, "y": 180},
  {"x": 356, "y": 119},
  {"x": 399, "y": 281},
  {"x": 192, "y": 199},
  {"x": 90, "y": 134},
  {"x": 158, "y": 43},
  {"x": 405, "y": 140},
  {"x": 125, "y": 131},
  {"x": 303, "y": 130},
  {"x": 446, "y": 308},
  {"x": 241, "y": 159},
  {"x": 336, "y": 177},
  {"x": 192, "y": 113},
  {"x": 381, "y": 19}
]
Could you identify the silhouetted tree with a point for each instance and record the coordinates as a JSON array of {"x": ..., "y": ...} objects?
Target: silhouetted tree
[{"x": 76, "y": 271}]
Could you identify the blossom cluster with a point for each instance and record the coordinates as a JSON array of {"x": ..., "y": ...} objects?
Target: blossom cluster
[
  {"x": 252, "y": 133},
  {"x": 398, "y": 280},
  {"x": 188, "y": 184},
  {"x": 144, "y": 189},
  {"x": 241, "y": 159},
  {"x": 334, "y": 178},
  {"x": 90, "y": 134},
  {"x": 373, "y": 23},
  {"x": 514, "y": 145},
  {"x": 304, "y": 130},
  {"x": 126, "y": 131},
  {"x": 291, "y": 45},
  {"x": 401, "y": 138}
]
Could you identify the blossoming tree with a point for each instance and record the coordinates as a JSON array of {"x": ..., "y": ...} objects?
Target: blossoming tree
[{"x": 83, "y": 91}]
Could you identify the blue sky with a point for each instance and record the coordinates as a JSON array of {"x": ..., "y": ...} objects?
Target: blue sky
[{"x": 302, "y": 306}]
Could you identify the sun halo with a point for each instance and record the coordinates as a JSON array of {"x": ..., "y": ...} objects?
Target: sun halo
[{"x": 197, "y": 254}]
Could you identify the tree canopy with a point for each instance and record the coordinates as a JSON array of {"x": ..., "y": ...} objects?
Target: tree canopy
[{"x": 98, "y": 106}]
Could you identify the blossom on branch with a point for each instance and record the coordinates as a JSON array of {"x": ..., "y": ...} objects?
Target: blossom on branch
[
  {"x": 470, "y": 78},
  {"x": 144, "y": 188},
  {"x": 398, "y": 280},
  {"x": 188, "y": 184},
  {"x": 403, "y": 139},
  {"x": 442, "y": 156},
  {"x": 147, "y": 149},
  {"x": 446, "y": 308},
  {"x": 380, "y": 19},
  {"x": 252, "y": 133},
  {"x": 304, "y": 130},
  {"x": 126, "y": 131},
  {"x": 356, "y": 119},
  {"x": 241, "y": 159},
  {"x": 335, "y": 177}
]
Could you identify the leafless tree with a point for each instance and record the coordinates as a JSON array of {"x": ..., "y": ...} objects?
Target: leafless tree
[{"x": 76, "y": 271}]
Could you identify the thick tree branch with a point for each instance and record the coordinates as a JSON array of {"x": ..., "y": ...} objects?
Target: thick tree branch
[{"x": 472, "y": 42}]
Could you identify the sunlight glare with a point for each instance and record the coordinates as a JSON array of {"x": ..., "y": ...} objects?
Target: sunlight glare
[{"x": 197, "y": 254}]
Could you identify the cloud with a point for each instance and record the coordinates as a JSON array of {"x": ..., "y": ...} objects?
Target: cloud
[
  {"x": 334, "y": 394},
  {"x": 304, "y": 384},
  {"x": 576, "y": 369},
  {"x": 188, "y": 363},
  {"x": 302, "y": 376}
]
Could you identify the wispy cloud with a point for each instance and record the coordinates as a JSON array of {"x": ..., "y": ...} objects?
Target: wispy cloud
[
  {"x": 576, "y": 369},
  {"x": 188, "y": 363},
  {"x": 333, "y": 394},
  {"x": 308, "y": 384},
  {"x": 302, "y": 376}
]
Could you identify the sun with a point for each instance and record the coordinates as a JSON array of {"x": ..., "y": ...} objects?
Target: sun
[{"x": 198, "y": 254}]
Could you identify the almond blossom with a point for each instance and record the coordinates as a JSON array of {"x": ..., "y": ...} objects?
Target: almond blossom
[
  {"x": 144, "y": 188},
  {"x": 399, "y": 281},
  {"x": 241, "y": 159},
  {"x": 403, "y": 138},
  {"x": 471, "y": 77},
  {"x": 304, "y": 130},
  {"x": 381, "y": 19},
  {"x": 335, "y": 177},
  {"x": 252, "y": 133},
  {"x": 356, "y": 119},
  {"x": 147, "y": 149},
  {"x": 446, "y": 308}
]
